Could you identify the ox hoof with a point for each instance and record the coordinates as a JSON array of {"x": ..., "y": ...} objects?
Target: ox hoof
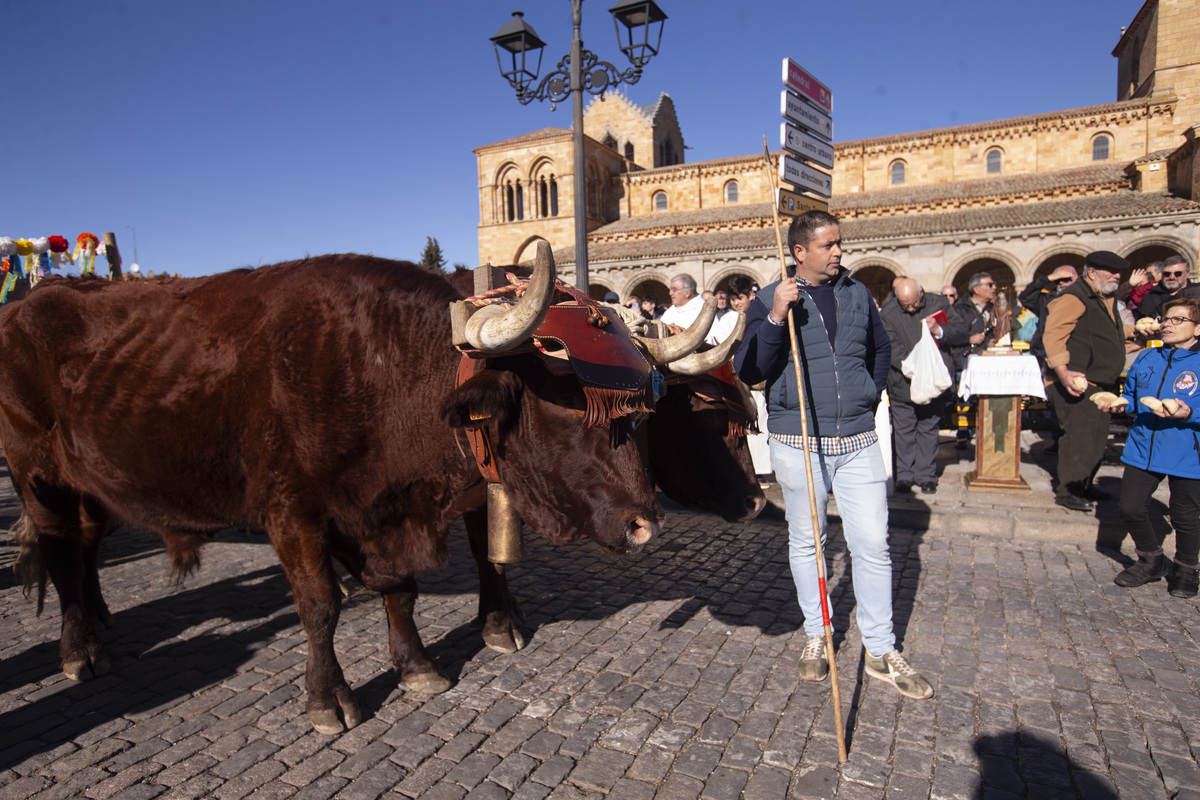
[
  {"x": 504, "y": 641},
  {"x": 327, "y": 720},
  {"x": 426, "y": 683},
  {"x": 85, "y": 666}
]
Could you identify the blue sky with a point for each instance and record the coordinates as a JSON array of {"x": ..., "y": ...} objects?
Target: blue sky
[{"x": 248, "y": 132}]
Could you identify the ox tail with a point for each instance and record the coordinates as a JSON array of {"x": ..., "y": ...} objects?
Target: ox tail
[
  {"x": 30, "y": 568},
  {"x": 183, "y": 551}
]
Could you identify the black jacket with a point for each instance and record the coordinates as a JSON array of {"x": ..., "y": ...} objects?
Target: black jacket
[
  {"x": 1153, "y": 302},
  {"x": 904, "y": 330},
  {"x": 966, "y": 313}
]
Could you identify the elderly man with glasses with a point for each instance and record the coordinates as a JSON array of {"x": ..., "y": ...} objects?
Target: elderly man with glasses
[
  {"x": 974, "y": 309},
  {"x": 685, "y": 301},
  {"x": 1174, "y": 284},
  {"x": 1085, "y": 350}
]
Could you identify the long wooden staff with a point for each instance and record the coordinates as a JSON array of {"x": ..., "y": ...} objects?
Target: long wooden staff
[{"x": 812, "y": 495}]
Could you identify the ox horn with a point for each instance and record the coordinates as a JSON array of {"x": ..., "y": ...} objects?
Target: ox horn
[
  {"x": 495, "y": 328},
  {"x": 673, "y": 348},
  {"x": 700, "y": 363}
]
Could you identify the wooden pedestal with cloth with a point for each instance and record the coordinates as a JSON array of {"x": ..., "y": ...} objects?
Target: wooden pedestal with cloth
[{"x": 999, "y": 378}]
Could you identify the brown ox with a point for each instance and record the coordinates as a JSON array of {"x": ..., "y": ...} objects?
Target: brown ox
[
  {"x": 697, "y": 455},
  {"x": 315, "y": 400}
]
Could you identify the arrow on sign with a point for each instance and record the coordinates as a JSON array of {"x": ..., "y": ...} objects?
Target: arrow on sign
[
  {"x": 794, "y": 204},
  {"x": 806, "y": 115},
  {"x": 804, "y": 177},
  {"x": 805, "y": 145}
]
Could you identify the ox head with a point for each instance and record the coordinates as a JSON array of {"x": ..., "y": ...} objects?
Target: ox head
[
  {"x": 697, "y": 440},
  {"x": 554, "y": 393}
]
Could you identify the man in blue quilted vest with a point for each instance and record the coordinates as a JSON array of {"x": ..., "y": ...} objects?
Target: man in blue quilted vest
[{"x": 846, "y": 355}]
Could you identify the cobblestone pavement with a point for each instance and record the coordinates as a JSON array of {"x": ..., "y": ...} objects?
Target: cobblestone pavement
[{"x": 670, "y": 675}]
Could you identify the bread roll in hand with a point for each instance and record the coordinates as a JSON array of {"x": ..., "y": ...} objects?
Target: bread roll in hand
[{"x": 1113, "y": 401}]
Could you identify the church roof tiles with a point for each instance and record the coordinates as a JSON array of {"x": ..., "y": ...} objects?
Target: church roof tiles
[{"x": 754, "y": 233}]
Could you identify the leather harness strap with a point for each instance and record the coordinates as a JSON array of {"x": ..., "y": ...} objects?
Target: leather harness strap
[{"x": 481, "y": 446}]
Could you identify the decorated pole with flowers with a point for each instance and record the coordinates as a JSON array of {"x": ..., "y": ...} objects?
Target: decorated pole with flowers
[
  {"x": 24, "y": 250},
  {"x": 8, "y": 254},
  {"x": 58, "y": 251},
  {"x": 85, "y": 246},
  {"x": 38, "y": 262}
]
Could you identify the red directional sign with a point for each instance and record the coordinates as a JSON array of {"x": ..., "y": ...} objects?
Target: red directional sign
[{"x": 796, "y": 78}]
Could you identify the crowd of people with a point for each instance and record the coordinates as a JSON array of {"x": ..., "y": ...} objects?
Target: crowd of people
[{"x": 1082, "y": 325}]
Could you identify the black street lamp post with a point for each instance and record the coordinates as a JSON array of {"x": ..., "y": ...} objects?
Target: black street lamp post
[{"x": 580, "y": 71}]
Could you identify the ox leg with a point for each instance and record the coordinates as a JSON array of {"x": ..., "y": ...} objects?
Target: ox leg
[
  {"x": 418, "y": 671},
  {"x": 319, "y": 604},
  {"x": 497, "y": 609},
  {"x": 94, "y": 525},
  {"x": 68, "y": 545}
]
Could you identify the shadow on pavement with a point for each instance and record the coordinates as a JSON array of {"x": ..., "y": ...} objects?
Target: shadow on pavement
[
  {"x": 151, "y": 667},
  {"x": 1027, "y": 764}
]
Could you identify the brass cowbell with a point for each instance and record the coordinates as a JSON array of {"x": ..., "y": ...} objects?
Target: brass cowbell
[{"x": 504, "y": 528}]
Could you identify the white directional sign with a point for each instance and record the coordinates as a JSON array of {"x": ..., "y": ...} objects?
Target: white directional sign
[
  {"x": 806, "y": 115},
  {"x": 796, "y": 78},
  {"x": 805, "y": 145},
  {"x": 804, "y": 177}
]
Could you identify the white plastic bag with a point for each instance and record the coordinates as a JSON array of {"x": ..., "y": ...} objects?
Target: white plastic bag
[{"x": 926, "y": 369}]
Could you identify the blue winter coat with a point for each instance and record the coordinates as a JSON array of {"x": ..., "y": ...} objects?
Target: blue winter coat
[{"x": 1167, "y": 446}]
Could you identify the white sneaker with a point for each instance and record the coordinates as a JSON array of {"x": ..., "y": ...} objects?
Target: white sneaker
[
  {"x": 892, "y": 667},
  {"x": 814, "y": 666}
]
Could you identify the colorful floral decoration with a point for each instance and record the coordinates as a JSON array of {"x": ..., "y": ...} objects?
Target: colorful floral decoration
[
  {"x": 24, "y": 250},
  {"x": 8, "y": 250},
  {"x": 85, "y": 245},
  {"x": 37, "y": 267},
  {"x": 58, "y": 251}
]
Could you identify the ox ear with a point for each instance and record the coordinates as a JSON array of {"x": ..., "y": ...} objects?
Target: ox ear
[{"x": 489, "y": 396}]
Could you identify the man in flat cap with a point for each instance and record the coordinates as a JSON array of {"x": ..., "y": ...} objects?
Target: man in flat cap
[{"x": 1085, "y": 350}]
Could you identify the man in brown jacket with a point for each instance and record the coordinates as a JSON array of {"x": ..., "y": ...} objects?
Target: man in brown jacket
[{"x": 1085, "y": 349}]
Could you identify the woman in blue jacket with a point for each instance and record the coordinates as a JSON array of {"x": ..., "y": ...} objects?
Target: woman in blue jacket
[{"x": 1165, "y": 442}]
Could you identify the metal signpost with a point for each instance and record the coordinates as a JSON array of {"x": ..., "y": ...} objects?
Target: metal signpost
[{"x": 804, "y": 177}]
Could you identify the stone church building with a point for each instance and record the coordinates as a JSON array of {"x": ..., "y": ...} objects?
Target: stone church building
[{"x": 1013, "y": 197}]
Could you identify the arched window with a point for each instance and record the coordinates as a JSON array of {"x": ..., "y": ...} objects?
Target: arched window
[
  {"x": 547, "y": 196},
  {"x": 897, "y": 173},
  {"x": 995, "y": 160},
  {"x": 731, "y": 192},
  {"x": 629, "y": 151},
  {"x": 660, "y": 201},
  {"x": 610, "y": 142},
  {"x": 1100, "y": 148},
  {"x": 512, "y": 196}
]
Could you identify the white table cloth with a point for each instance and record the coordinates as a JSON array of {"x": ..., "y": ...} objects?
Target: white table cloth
[{"x": 1002, "y": 375}]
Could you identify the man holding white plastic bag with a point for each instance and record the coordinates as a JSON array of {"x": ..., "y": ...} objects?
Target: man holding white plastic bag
[{"x": 916, "y": 408}]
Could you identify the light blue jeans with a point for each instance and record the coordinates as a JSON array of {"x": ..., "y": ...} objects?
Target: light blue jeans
[{"x": 859, "y": 483}]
